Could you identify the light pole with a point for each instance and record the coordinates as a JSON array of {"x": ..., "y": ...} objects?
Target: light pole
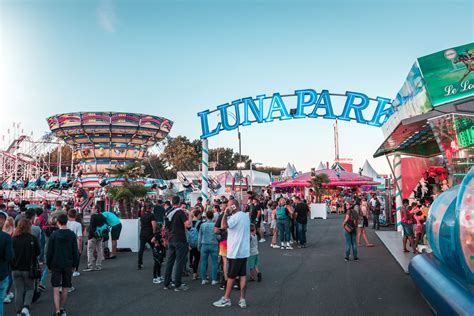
[
  {"x": 240, "y": 166},
  {"x": 251, "y": 173}
]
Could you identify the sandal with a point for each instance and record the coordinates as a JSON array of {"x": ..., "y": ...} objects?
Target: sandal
[
  {"x": 370, "y": 245},
  {"x": 405, "y": 250}
]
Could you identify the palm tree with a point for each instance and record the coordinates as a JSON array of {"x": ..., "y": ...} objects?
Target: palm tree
[
  {"x": 125, "y": 194},
  {"x": 317, "y": 183}
]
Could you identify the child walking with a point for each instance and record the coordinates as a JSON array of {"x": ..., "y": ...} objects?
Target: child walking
[
  {"x": 253, "y": 259},
  {"x": 159, "y": 254}
]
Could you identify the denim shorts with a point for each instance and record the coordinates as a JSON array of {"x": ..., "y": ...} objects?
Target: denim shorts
[{"x": 407, "y": 230}]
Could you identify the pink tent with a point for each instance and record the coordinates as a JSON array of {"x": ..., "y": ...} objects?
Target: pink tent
[{"x": 347, "y": 179}]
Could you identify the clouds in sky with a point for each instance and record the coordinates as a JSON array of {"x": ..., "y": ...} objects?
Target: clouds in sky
[{"x": 107, "y": 16}]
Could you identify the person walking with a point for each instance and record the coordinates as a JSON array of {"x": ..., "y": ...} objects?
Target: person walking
[
  {"x": 407, "y": 224},
  {"x": 114, "y": 222},
  {"x": 97, "y": 228},
  {"x": 176, "y": 222},
  {"x": 361, "y": 231},
  {"x": 26, "y": 250},
  {"x": 208, "y": 247},
  {"x": 61, "y": 258},
  {"x": 237, "y": 224},
  {"x": 76, "y": 228},
  {"x": 148, "y": 228},
  {"x": 159, "y": 254},
  {"x": 273, "y": 225},
  {"x": 350, "y": 231},
  {"x": 193, "y": 238},
  {"x": 6, "y": 258},
  {"x": 302, "y": 213},
  {"x": 375, "y": 206},
  {"x": 283, "y": 215}
]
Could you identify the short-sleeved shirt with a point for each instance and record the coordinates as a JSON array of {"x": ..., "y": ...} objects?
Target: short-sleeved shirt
[
  {"x": 75, "y": 227},
  {"x": 176, "y": 230},
  {"x": 238, "y": 236},
  {"x": 218, "y": 225},
  {"x": 301, "y": 210},
  {"x": 146, "y": 226},
  {"x": 111, "y": 219},
  {"x": 159, "y": 212}
]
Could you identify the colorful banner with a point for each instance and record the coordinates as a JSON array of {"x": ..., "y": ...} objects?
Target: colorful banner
[
  {"x": 449, "y": 74},
  {"x": 411, "y": 100}
]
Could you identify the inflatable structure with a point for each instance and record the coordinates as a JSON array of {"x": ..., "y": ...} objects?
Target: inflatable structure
[{"x": 446, "y": 277}]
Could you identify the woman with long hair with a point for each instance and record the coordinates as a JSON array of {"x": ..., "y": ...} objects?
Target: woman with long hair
[
  {"x": 26, "y": 251},
  {"x": 361, "y": 232},
  {"x": 351, "y": 219}
]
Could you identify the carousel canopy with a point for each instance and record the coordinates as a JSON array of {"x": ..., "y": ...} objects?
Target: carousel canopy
[{"x": 336, "y": 178}]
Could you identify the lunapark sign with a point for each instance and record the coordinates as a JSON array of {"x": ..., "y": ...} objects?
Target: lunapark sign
[{"x": 309, "y": 104}]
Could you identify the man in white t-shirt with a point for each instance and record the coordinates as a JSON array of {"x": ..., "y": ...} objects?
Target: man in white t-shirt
[
  {"x": 76, "y": 228},
  {"x": 237, "y": 224}
]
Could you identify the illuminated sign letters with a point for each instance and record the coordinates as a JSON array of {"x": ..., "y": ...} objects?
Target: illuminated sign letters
[{"x": 309, "y": 103}]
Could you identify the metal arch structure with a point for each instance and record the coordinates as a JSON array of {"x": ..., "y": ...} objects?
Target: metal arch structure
[{"x": 102, "y": 141}]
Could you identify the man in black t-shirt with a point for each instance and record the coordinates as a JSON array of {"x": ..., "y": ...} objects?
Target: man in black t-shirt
[
  {"x": 302, "y": 213},
  {"x": 176, "y": 221},
  {"x": 159, "y": 212},
  {"x": 256, "y": 215},
  {"x": 148, "y": 227}
]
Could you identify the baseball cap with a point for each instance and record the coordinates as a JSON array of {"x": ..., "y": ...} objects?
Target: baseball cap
[{"x": 11, "y": 204}]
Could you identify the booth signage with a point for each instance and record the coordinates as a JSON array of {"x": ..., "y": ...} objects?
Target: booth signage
[
  {"x": 309, "y": 104},
  {"x": 449, "y": 74}
]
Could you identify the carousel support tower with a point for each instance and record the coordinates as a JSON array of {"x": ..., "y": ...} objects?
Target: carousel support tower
[{"x": 102, "y": 141}]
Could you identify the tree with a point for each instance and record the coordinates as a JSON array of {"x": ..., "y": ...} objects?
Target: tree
[
  {"x": 317, "y": 183},
  {"x": 224, "y": 157},
  {"x": 129, "y": 191},
  {"x": 51, "y": 158},
  {"x": 276, "y": 171},
  {"x": 181, "y": 154},
  {"x": 155, "y": 167}
]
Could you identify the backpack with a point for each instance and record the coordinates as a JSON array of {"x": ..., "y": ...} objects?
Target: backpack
[
  {"x": 193, "y": 235},
  {"x": 102, "y": 231},
  {"x": 281, "y": 212}
]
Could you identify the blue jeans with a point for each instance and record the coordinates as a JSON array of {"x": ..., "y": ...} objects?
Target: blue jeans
[
  {"x": 212, "y": 251},
  {"x": 301, "y": 233},
  {"x": 3, "y": 293},
  {"x": 176, "y": 254},
  {"x": 351, "y": 242},
  {"x": 283, "y": 226}
]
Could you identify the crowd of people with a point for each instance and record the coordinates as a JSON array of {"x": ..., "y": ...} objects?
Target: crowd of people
[{"x": 216, "y": 242}]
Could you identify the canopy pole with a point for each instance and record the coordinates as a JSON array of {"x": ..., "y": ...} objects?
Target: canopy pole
[
  {"x": 205, "y": 170},
  {"x": 397, "y": 164}
]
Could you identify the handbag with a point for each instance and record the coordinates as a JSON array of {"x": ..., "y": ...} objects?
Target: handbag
[
  {"x": 35, "y": 271},
  {"x": 349, "y": 226}
]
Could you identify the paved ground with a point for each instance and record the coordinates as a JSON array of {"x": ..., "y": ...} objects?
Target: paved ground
[{"x": 311, "y": 281}]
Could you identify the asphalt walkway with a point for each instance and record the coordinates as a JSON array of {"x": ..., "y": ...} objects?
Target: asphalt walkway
[{"x": 311, "y": 281}]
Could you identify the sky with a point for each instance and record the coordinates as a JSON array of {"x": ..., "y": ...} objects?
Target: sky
[{"x": 177, "y": 58}]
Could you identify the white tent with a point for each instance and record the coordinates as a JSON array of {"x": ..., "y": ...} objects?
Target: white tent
[
  {"x": 320, "y": 166},
  {"x": 369, "y": 171},
  {"x": 288, "y": 172}
]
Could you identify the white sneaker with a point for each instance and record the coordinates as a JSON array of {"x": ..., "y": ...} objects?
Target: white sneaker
[
  {"x": 71, "y": 289},
  {"x": 214, "y": 282},
  {"x": 204, "y": 282},
  {"x": 25, "y": 312},
  {"x": 242, "y": 303},
  {"x": 76, "y": 274},
  {"x": 262, "y": 240},
  {"x": 8, "y": 298},
  {"x": 223, "y": 302},
  {"x": 156, "y": 281},
  {"x": 288, "y": 246}
]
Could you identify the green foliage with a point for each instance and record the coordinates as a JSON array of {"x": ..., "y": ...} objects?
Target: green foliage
[
  {"x": 181, "y": 154},
  {"x": 317, "y": 183},
  {"x": 155, "y": 167},
  {"x": 128, "y": 190}
]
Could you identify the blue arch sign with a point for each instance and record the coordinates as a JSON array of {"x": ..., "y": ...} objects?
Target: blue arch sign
[{"x": 309, "y": 104}]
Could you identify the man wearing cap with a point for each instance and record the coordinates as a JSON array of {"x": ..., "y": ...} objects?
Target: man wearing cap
[
  {"x": 11, "y": 209},
  {"x": 6, "y": 258}
]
